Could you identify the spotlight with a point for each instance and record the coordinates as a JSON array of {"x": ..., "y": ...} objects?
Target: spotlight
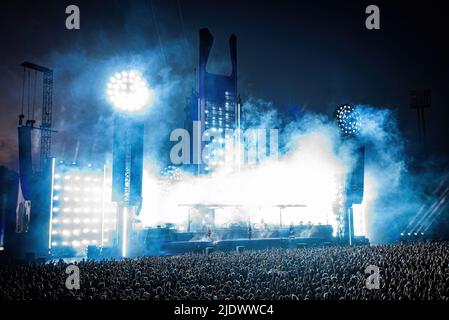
[
  {"x": 128, "y": 91},
  {"x": 348, "y": 119}
]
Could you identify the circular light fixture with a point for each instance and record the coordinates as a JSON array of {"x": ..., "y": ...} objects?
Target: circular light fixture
[
  {"x": 128, "y": 91},
  {"x": 348, "y": 119}
]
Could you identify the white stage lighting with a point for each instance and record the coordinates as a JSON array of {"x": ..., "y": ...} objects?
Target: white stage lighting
[
  {"x": 128, "y": 91},
  {"x": 78, "y": 203}
]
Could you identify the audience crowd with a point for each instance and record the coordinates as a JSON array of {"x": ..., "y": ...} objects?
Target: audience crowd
[{"x": 407, "y": 272}]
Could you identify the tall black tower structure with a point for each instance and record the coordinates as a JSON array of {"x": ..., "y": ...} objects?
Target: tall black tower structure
[
  {"x": 349, "y": 122},
  {"x": 33, "y": 214},
  {"x": 215, "y": 108}
]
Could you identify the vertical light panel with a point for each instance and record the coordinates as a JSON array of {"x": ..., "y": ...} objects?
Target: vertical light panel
[
  {"x": 359, "y": 220},
  {"x": 124, "y": 231},
  {"x": 51, "y": 202},
  {"x": 102, "y": 205}
]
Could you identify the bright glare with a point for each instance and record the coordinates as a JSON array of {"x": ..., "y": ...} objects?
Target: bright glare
[
  {"x": 128, "y": 91},
  {"x": 309, "y": 176}
]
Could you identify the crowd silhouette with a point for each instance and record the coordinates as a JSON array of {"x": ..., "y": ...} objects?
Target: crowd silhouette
[{"x": 407, "y": 272}]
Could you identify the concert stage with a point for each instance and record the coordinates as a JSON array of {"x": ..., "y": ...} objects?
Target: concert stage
[{"x": 183, "y": 247}]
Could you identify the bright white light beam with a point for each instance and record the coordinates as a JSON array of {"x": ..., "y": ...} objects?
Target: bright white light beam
[{"x": 128, "y": 91}]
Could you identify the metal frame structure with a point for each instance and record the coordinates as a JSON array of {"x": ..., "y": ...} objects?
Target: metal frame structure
[
  {"x": 353, "y": 182},
  {"x": 47, "y": 112},
  {"x": 221, "y": 206},
  {"x": 419, "y": 101}
]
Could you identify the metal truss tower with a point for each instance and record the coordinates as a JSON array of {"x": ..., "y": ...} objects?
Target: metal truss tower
[{"x": 47, "y": 112}]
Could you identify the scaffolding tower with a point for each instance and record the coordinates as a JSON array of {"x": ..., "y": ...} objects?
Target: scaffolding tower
[{"x": 47, "y": 112}]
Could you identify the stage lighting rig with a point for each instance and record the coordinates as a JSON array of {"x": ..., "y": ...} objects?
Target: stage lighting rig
[
  {"x": 128, "y": 91},
  {"x": 348, "y": 119},
  {"x": 350, "y": 122}
]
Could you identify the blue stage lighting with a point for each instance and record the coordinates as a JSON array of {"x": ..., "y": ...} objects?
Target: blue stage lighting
[{"x": 348, "y": 119}]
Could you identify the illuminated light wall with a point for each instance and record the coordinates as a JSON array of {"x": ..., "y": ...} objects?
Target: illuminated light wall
[
  {"x": 359, "y": 220},
  {"x": 82, "y": 211},
  {"x": 218, "y": 119}
]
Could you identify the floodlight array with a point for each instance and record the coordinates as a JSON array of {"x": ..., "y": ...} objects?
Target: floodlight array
[
  {"x": 128, "y": 91},
  {"x": 83, "y": 213},
  {"x": 349, "y": 120}
]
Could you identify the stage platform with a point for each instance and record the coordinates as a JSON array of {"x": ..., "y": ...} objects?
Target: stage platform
[{"x": 180, "y": 247}]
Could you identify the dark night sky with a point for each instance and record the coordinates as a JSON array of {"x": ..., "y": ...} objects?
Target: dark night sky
[{"x": 315, "y": 54}]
